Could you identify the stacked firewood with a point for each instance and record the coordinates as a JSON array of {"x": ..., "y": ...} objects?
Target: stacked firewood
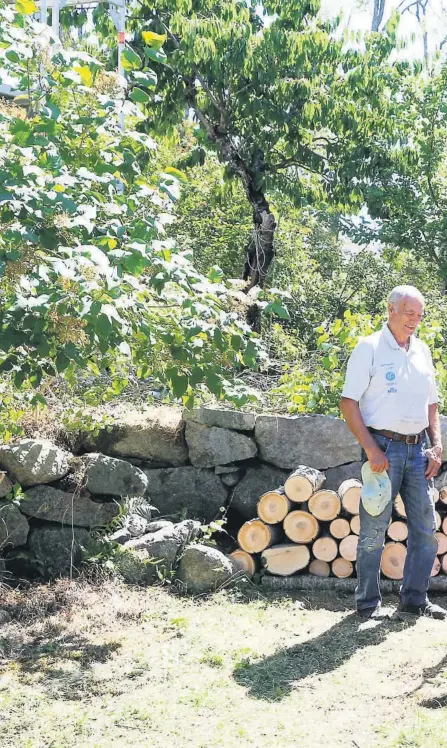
[{"x": 302, "y": 526}]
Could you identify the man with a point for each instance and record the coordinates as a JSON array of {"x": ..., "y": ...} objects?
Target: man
[{"x": 389, "y": 401}]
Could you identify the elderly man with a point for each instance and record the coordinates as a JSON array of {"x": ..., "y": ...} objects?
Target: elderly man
[{"x": 389, "y": 401}]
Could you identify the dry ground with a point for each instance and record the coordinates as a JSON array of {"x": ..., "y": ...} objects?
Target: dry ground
[{"x": 108, "y": 665}]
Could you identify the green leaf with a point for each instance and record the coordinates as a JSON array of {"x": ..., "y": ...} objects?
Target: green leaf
[
  {"x": 130, "y": 59},
  {"x": 139, "y": 96},
  {"x": 180, "y": 175},
  {"x": 153, "y": 40}
]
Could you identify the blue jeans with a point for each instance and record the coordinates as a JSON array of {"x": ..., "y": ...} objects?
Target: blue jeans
[{"x": 407, "y": 474}]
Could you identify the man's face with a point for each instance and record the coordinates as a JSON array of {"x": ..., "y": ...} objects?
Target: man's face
[{"x": 405, "y": 316}]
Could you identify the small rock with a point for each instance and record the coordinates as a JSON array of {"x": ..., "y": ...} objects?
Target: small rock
[
  {"x": 231, "y": 480},
  {"x": 4, "y": 617},
  {"x": 52, "y": 505},
  {"x": 110, "y": 476},
  {"x": 14, "y": 526},
  {"x": 136, "y": 525},
  {"x": 158, "y": 524},
  {"x": 120, "y": 536},
  {"x": 204, "y": 569},
  {"x": 222, "y": 469}
]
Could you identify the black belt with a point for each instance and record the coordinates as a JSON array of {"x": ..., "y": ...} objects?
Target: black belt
[{"x": 407, "y": 438}]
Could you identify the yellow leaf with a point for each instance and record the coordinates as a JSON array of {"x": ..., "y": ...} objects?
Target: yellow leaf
[
  {"x": 85, "y": 73},
  {"x": 26, "y": 7},
  {"x": 112, "y": 243},
  {"x": 152, "y": 39},
  {"x": 59, "y": 188}
]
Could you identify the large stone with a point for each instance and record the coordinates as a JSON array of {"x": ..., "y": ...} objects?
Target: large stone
[
  {"x": 135, "y": 566},
  {"x": 5, "y": 485},
  {"x": 176, "y": 491},
  {"x": 14, "y": 526},
  {"x": 224, "y": 419},
  {"x": 204, "y": 569},
  {"x": 46, "y": 502},
  {"x": 256, "y": 481},
  {"x": 34, "y": 461},
  {"x": 56, "y": 550},
  {"x": 110, "y": 476},
  {"x": 210, "y": 446},
  {"x": 165, "y": 546},
  {"x": 318, "y": 441},
  {"x": 155, "y": 435},
  {"x": 335, "y": 476}
]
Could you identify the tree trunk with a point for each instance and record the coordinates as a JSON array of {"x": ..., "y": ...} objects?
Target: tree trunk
[
  {"x": 349, "y": 492},
  {"x": 325, "y": 548},
  {"x": 319, "y": 568},
  {"x": 274, "y": 506},
  {"x": 393, "y": 560},
  {"x": 302, "y": 483},
  {"x": 324, "y": 505},
  {"x": 285, "y": 559},
  {"x": 245, "y": 561},
  {"x": 379, "y": 9},
  {"x": 254, "y": 536},
  {"x": 301, "y": 527}
]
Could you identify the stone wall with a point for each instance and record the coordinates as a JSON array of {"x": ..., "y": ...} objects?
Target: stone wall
[{"x": 174, "y": 465}]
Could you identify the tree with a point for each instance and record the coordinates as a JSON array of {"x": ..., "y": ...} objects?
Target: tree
[
  {"x": 87, "y": 278},
  {"x": 378, "y": 12},
  {"x": 284, "y": 104}
]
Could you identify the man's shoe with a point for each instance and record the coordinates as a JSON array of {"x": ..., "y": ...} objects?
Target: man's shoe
[
  {"x": 428, "y": 609},
  {"x": 372, "y": 612}
]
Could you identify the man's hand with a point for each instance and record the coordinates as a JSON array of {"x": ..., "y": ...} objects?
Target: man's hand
[
  {"x": 434, "y": 461},
  {"x": 377, "y": 459}
]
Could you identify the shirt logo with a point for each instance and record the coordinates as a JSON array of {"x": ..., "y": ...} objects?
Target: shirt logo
[
  {"x": 390, "y": 376},
  {"x": 392, "y": 390}
]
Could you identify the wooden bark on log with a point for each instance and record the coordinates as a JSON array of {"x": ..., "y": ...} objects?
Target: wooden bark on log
[
  {"x": 339, "y": 528},
  {"x": 444, "y": 526},
  {"x": 274, "y": 506},
  {"x": 324, "y": 505},
  {"x": 439, "y": 521},
  {"x": 302, "y": 483},
  {"x": 444, "y": 564},
  {"x": 244, "y": 561},
  {"x": 398, "y": 531},
  {"x": 301, "y": 527},
  {"x": 399, "y": 506},
  {"x": 393, "y": 560},
  {"x": 435, "y": 493},
  {"x": 325, "y": 548},
  {"x": 443, "y": 495},
  {"x": 319, "y": 568},
  {"x": 442, "y": 543},
  {"x": 348, "y": 547},
  {"x": 342, "y": 568},
  {"x": 349, "y": 493},
  {"x": 254, "y": 535},
  {"x": 355, "y": 524},
  {"x": 285, "y": 559}
]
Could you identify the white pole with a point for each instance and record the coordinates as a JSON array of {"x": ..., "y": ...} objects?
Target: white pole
[
  {"x": 55, "y": 17},
  {"x": 121, "y": 46},
  {"x": 43, "y": 11}
]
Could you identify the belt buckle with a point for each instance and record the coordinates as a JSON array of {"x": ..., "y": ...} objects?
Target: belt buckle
[{"x": 411, "y": 439}]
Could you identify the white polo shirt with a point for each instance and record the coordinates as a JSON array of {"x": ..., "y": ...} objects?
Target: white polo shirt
[{"x": 393, "y": 387}]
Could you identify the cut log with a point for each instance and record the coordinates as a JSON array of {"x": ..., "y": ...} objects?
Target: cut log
[
  {"x": 349, "y": 493},
  {"x": 439, "y": 521},
  {"x": 436, "y": 567},
  {"x": 254, "y": 535},
  {"x": 393, "y": 560},
  {"x": 348, "y": 547},
  {"x": 442, "y": 543},
  {"x": 339, "y": 528},
  {"x": 355, "y": 524},
  {"x": 303, "y": 482},
  {"x": 444, "y": 525},
  {"x": 319, "y": 568},
  {"x": 435, "y": 494},
  {"x": 244, "y": 561},
  {"x": 443, "y": 495},
  {"x": 285, "y": 559},
  {"x": 324, "y": 505},
  {"x": 301, "y": 527},
  {"x": 325, "y": 548},
  {"x": 274, "y": 506},
  {"x": 399, "y": 506},
  {"x": 398, "y": 531},
  {"x": 444, "y": 564},
  {"x": 342, "y": 568}
]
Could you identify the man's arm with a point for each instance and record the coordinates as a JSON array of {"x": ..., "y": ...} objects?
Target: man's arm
[
  {"x": 434, "y": 454},
  {"x": 351, "y": 411}
]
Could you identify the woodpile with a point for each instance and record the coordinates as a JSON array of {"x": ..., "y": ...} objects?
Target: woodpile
[{"x": 303, "y": 528}]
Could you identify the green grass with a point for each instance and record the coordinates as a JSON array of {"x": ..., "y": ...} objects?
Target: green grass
[{"x": 117, "y": 666}]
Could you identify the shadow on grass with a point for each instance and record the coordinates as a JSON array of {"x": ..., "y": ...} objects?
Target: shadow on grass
[
  {"x": 273, "y": 678},
  {"x": 63, "y": 662}
]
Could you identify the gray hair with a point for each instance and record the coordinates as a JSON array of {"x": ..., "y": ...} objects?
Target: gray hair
[{"x": 403, "y": 292}]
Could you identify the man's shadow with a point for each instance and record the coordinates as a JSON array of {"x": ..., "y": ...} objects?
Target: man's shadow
[{"x": 274, "y": 677}]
